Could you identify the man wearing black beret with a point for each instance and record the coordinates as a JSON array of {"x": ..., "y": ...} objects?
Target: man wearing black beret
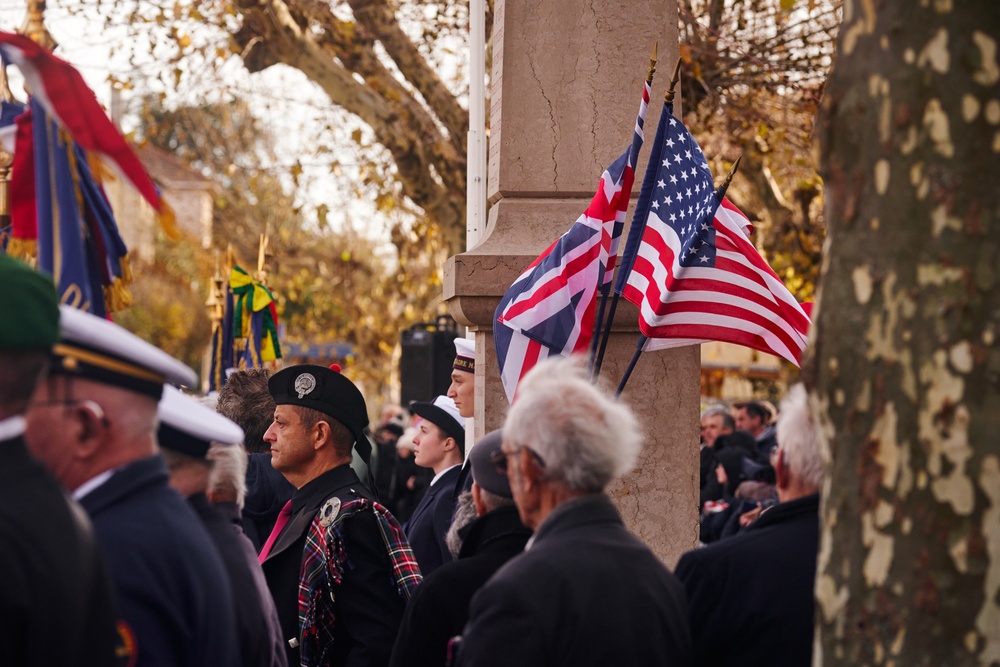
[{"x": 335, "y": 553}]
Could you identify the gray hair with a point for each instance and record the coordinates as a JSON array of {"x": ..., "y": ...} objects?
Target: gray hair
[
  {"x": 727, "y": 418},
  {"x": 585, "y": 438},
  {"x": 228, "y": 478},
  {"x": 799, "y": 438},
  {"x": 465, "y": 513}
]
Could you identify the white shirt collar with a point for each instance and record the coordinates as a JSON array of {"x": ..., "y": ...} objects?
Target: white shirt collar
[
  {"x": 92, "y": 484},
  {"x": 438, "y": 476},
  {"x": 11, "y": 427}
]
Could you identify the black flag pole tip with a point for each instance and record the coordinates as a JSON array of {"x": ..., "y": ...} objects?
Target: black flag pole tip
[
  {"x": 669, "y": 97},
  {"x": 729, "y": 179}
]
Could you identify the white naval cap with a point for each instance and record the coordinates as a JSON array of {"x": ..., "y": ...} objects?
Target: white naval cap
[
  {"x": 188, "y": 427},
  {"x": 100, "y": 350},
  {"x": 465, "y": 355}
]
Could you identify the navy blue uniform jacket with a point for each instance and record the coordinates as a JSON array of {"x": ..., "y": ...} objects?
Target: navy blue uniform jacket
[
  {"x": 368, "y": 607},
  {"x": 56, "y": 600},
  {"x": 173, "y": 592},
  {"x": 751, "y": 596},
  {"x": 430, "y": 521}
]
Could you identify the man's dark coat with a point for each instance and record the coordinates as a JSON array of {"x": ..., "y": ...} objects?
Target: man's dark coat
[
  {"x": 430, "y": 521},
  {"x": 257, "y": 629},
  {"x": 56, "y": 601},
  {"x": 751, "y": 596},
  {"x": 585, "y": 592},
  {"x": 440, "y": 607},
  {"x": 368, "y": 606},
  {"x": 172, "y": 588}
]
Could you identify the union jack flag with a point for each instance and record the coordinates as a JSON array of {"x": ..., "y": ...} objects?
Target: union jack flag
[
  {"x": 550, "y": 307},
  {"x": 693, "y": 273}
]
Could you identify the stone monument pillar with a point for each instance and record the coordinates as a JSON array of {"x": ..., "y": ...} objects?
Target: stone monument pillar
[{"x": 567, "y": 80}]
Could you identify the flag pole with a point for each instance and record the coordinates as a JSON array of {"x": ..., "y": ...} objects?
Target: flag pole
[
  {"x": 721, "y": 192},
  {"x": 641, "y": 343},
  {"x": 606, "y": 289},
  {"x": 668, "y": 98}
]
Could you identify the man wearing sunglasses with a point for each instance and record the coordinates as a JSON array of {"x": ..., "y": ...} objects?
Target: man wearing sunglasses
[{"x": 585, "y": 591}]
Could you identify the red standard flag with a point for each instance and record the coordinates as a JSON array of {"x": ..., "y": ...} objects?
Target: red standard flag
[{"x": 696, "y": 277}]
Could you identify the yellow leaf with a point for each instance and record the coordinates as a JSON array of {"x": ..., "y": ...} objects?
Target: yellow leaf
[{"x": 184, "y": 41}]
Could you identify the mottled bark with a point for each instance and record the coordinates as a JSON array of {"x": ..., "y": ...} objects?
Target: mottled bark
[{"x": 905, "y": 369}]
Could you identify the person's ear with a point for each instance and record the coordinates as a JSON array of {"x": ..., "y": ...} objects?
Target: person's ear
[
  {"x": 477, "y": 500},
  {"x": 91, "y": 428},
  {"x": 781, "y": 476},
  {"x": 321, "y": 434},
  {"x": 449, "y": 444}
]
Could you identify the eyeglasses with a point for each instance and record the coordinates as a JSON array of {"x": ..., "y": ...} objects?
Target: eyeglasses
[{"x": 499, "y": 459}]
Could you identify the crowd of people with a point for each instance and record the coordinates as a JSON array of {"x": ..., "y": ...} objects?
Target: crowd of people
[{"x": 144, "y": 526}]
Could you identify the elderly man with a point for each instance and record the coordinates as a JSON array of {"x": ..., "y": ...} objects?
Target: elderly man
[
  {"x": 440, "y": 607},
  {"x": 93, "y": 423},
  {"x": 245, "y": 400},
  {"x": 765, "y": 574},
  {"x": 334, "y": 553},
  {"x": 56, "y": 604},
  {"x": 188, "y": 432},
  {"x": 586, "y": 591}
]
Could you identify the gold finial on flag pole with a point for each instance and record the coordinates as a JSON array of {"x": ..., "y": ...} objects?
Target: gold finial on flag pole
[
  {"x": 34, "y": 26},
  {"x": 669, "y": 97},
  {"x": 262, "y": 258},
  {"x": 721, "y": 192},
  {"x": 652, "y": 64}
]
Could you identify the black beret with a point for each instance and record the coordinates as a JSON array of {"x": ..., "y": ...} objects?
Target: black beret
[{"x": 325, "y": 390}]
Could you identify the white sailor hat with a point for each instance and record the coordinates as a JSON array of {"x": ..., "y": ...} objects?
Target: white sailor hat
[
  {"x": 188, "y": 427},
  {"x": 100, "y": 350},
  {"x": 465, "y": 355},
  {"x": 443, "y": 414}
]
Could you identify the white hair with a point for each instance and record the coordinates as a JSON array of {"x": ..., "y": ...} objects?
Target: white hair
[
  {"x": 799, "y": 438},
  {"x": 228, "y": 478},
  {"x": 585, "y": 438}
]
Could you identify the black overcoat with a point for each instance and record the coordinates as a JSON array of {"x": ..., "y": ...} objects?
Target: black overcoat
[
  {"x": 439, "y": 608},
  {"x": 585, "y": 592},
  {"x": 257, "y": 629},
  {"x": 750, "y": 596},
  {"x": 56, "y": 600}
]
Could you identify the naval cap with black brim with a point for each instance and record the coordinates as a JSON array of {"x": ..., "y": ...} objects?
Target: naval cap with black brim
[
  {"x": 188, "y": 427},
  {"x": 96, "y": 349},
  {"x": 442, "y": 413},
  {"x": 329, "y": 392},
  {"x": 465, "y": 355}
]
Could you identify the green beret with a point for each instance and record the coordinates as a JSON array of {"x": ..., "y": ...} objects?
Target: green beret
[{"x": 29, "y": 307}]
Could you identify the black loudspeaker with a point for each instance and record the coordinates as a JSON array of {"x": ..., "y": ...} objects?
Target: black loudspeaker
[{"x": 428, "y": 352}]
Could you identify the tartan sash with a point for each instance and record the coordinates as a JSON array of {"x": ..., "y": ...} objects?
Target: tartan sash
[{"x": 324, "y": 561}]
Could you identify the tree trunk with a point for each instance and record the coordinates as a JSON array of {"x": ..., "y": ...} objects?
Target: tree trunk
[{"x": 905, "y": 369}]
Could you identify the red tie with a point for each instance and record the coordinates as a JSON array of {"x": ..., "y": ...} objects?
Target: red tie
[{"x": 279, "y": 525}]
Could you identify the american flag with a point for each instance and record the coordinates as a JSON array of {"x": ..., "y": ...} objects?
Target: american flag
[{"x": 694, "y": 274}]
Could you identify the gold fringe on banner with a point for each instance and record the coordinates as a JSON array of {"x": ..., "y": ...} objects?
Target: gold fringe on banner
[
  {"x": 117, "y": 296},
  {"x": 24, "y": 249},
  {"x": 168, "y": 220}
]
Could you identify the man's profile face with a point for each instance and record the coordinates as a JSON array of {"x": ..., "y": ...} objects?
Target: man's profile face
[
  {"x": 711, "y": 428},
  {"x": 291, "y": 445},
  {"x": 461, "y": 391},
  {"x": 429, "y": 446},
  {"x": 744, "y": 422}
]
